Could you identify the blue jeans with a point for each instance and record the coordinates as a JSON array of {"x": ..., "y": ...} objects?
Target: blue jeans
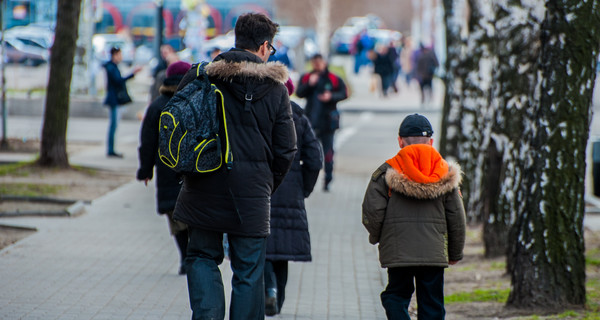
[
  {"x": 114, "y": 116},
  {"x": 401, "y": 285},
  {"x": 205, "y": 285}
]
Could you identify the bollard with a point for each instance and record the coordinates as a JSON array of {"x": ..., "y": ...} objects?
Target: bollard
[{"x": 596, "y": 167}]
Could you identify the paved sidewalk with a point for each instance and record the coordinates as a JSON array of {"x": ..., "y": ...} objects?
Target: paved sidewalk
[{"x": 117, "y": 260}]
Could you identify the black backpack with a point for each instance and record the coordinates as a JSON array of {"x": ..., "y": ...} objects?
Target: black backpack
[{"x": 189, "y": 128}]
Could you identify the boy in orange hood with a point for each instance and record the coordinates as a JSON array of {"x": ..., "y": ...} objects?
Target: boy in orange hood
[{"x": 414, "y": 210}]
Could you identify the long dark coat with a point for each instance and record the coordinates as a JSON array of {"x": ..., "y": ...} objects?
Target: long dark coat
[
  {"x": 289, "y": 239},
  {"x": 263, "y": 142},
  {"x": 167, "y": 181}
]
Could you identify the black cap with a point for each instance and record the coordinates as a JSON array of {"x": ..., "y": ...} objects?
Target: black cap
[{"x": 415, "y": 125}]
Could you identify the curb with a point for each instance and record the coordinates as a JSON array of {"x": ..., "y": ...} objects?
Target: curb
[{"x": 77, "y": 207}]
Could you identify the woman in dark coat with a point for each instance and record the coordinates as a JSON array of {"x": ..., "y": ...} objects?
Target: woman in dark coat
[
  {"x": 289, "y": 239},
  {"x": 167, "y": 182}
]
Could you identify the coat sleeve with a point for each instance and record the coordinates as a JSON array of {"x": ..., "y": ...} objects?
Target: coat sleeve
[
  {"x": 114, "y": 75},
  {"x": 303, "y": 89},
  {"x": 341, "y": 93},
  {"x": 284, "y": 140},
  {"x": 456, "y": 224},
  {"x": 311, "y": 156},
  {"x": 375, "y": 205},
  {"x": 148, "y": 142}
]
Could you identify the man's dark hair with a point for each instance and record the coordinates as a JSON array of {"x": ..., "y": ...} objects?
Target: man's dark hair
[
  {"x": 317, "y": 56},
  {"x": 252, "y": 30},
  {"x": 114, "y": 50}
]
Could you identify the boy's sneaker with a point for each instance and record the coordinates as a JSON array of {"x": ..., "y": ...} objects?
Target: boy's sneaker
[{"x": 271, "y": 302}]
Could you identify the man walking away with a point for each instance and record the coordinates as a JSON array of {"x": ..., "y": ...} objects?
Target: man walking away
[
  {"x": 426, "y": 64},
  {"x": 323, "y": 90},
  {"x": 237, "y": 201}
]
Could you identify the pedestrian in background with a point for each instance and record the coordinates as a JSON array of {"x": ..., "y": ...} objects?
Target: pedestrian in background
[
  {"x": 383, "y": 67},
  {"x": 289, "y": 239},
  {"x": 414, "y": 210},
  {"x": 116, "y": 96},
  {"x": 237, "y": 201},
  {"x": 168, "y": 56},
  {"x": 323, "y": 90},
  {"x": 426, "y": 63},
  {"x": 168, "y": 183},
  {"x": 361, "y": 46}
]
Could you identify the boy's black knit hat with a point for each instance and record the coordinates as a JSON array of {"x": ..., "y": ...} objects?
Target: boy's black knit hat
[{"x": 415, "y": 125}]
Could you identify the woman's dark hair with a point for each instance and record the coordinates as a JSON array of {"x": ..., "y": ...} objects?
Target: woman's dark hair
[{"x": 253, "y": 29}]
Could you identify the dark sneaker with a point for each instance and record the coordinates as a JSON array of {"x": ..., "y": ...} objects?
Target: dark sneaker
[
  {"x": 271, "y": 302},
  {"x": 115, "y": 155}
]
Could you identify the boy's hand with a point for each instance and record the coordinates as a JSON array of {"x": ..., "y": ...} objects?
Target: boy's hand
[{"x": 452, "y": 262}]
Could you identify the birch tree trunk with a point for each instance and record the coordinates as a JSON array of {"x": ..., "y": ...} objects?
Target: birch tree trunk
[
  {"x": 53, "y": 151},
  {"x": 516, "y": 117},
  {"x": 467, "y": 109},
  {"x": 323, "y": 17},
  {"x": 547, "y": 243}
]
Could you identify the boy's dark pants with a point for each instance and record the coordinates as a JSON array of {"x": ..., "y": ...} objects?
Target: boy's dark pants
[{"x": 401, "y": 285}]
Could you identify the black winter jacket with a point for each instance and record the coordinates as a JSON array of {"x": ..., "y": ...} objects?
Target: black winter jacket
[
  {"x": 263, "y": 142},
  {"x": 167, "y": 181},
  {"x": 289, "y": 239},
  {"x": 114, "y": 83},
  {"x": 323, "y": 116}
]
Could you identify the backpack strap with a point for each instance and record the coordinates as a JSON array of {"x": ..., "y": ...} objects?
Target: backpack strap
[{"x": 248, "y": 98}]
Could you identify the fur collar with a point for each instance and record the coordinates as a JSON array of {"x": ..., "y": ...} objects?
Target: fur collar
[
  {"x": 227, "y": 70},
  {"x": 167, "y": 90},
  {"x": 400, "y": 183}
]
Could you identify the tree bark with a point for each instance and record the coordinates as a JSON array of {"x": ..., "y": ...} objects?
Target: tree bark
[
  {"x": 53, "y": 151},
  {"x": 547, "y": 243}
]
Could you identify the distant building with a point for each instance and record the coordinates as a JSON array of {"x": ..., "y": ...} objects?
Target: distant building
[{"x": 138, "y": 16}]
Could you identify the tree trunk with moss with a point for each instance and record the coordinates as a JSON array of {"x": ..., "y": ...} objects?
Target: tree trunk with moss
[
  {"x": 547, "y": 243},
  {"x": 53, "y": 151}
]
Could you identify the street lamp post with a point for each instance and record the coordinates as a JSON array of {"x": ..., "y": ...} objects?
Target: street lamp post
[
  {"x": 158, "y": 34},
  {"x": 4, "y": 141}
]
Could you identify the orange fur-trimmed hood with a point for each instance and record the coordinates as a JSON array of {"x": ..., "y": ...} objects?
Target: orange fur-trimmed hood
[{"x": 419, "y": 171}]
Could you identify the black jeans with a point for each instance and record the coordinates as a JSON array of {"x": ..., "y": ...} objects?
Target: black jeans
[
  {"x": 326, "y": 139},
  {"x": 205, "y": 285},
  {"x": 401, "y": 285},
  {"x": 276, "y": 274}
]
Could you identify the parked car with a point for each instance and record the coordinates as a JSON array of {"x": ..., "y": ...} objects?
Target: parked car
[
  {"x": 18, "y": 51},
  {"x": 384, "y": 36},
  {"x": 103, "y": 42},
  {"x": 342, "y": 39},
  {"x": 32, "y": 35},
  {"x": 370, "y": 21},
  {"x": 297, "y": 37},
  {"x": 222, "y": 42}
]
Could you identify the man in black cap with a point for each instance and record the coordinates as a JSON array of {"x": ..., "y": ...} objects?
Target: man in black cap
[{"x": 414, "y": 210}]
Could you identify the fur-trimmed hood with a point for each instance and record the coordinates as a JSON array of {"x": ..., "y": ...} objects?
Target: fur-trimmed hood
[
  {"x": 168, "y": 90},
  {"x": 399, "y": 182},
  {"x": 227, "y": 70}
]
